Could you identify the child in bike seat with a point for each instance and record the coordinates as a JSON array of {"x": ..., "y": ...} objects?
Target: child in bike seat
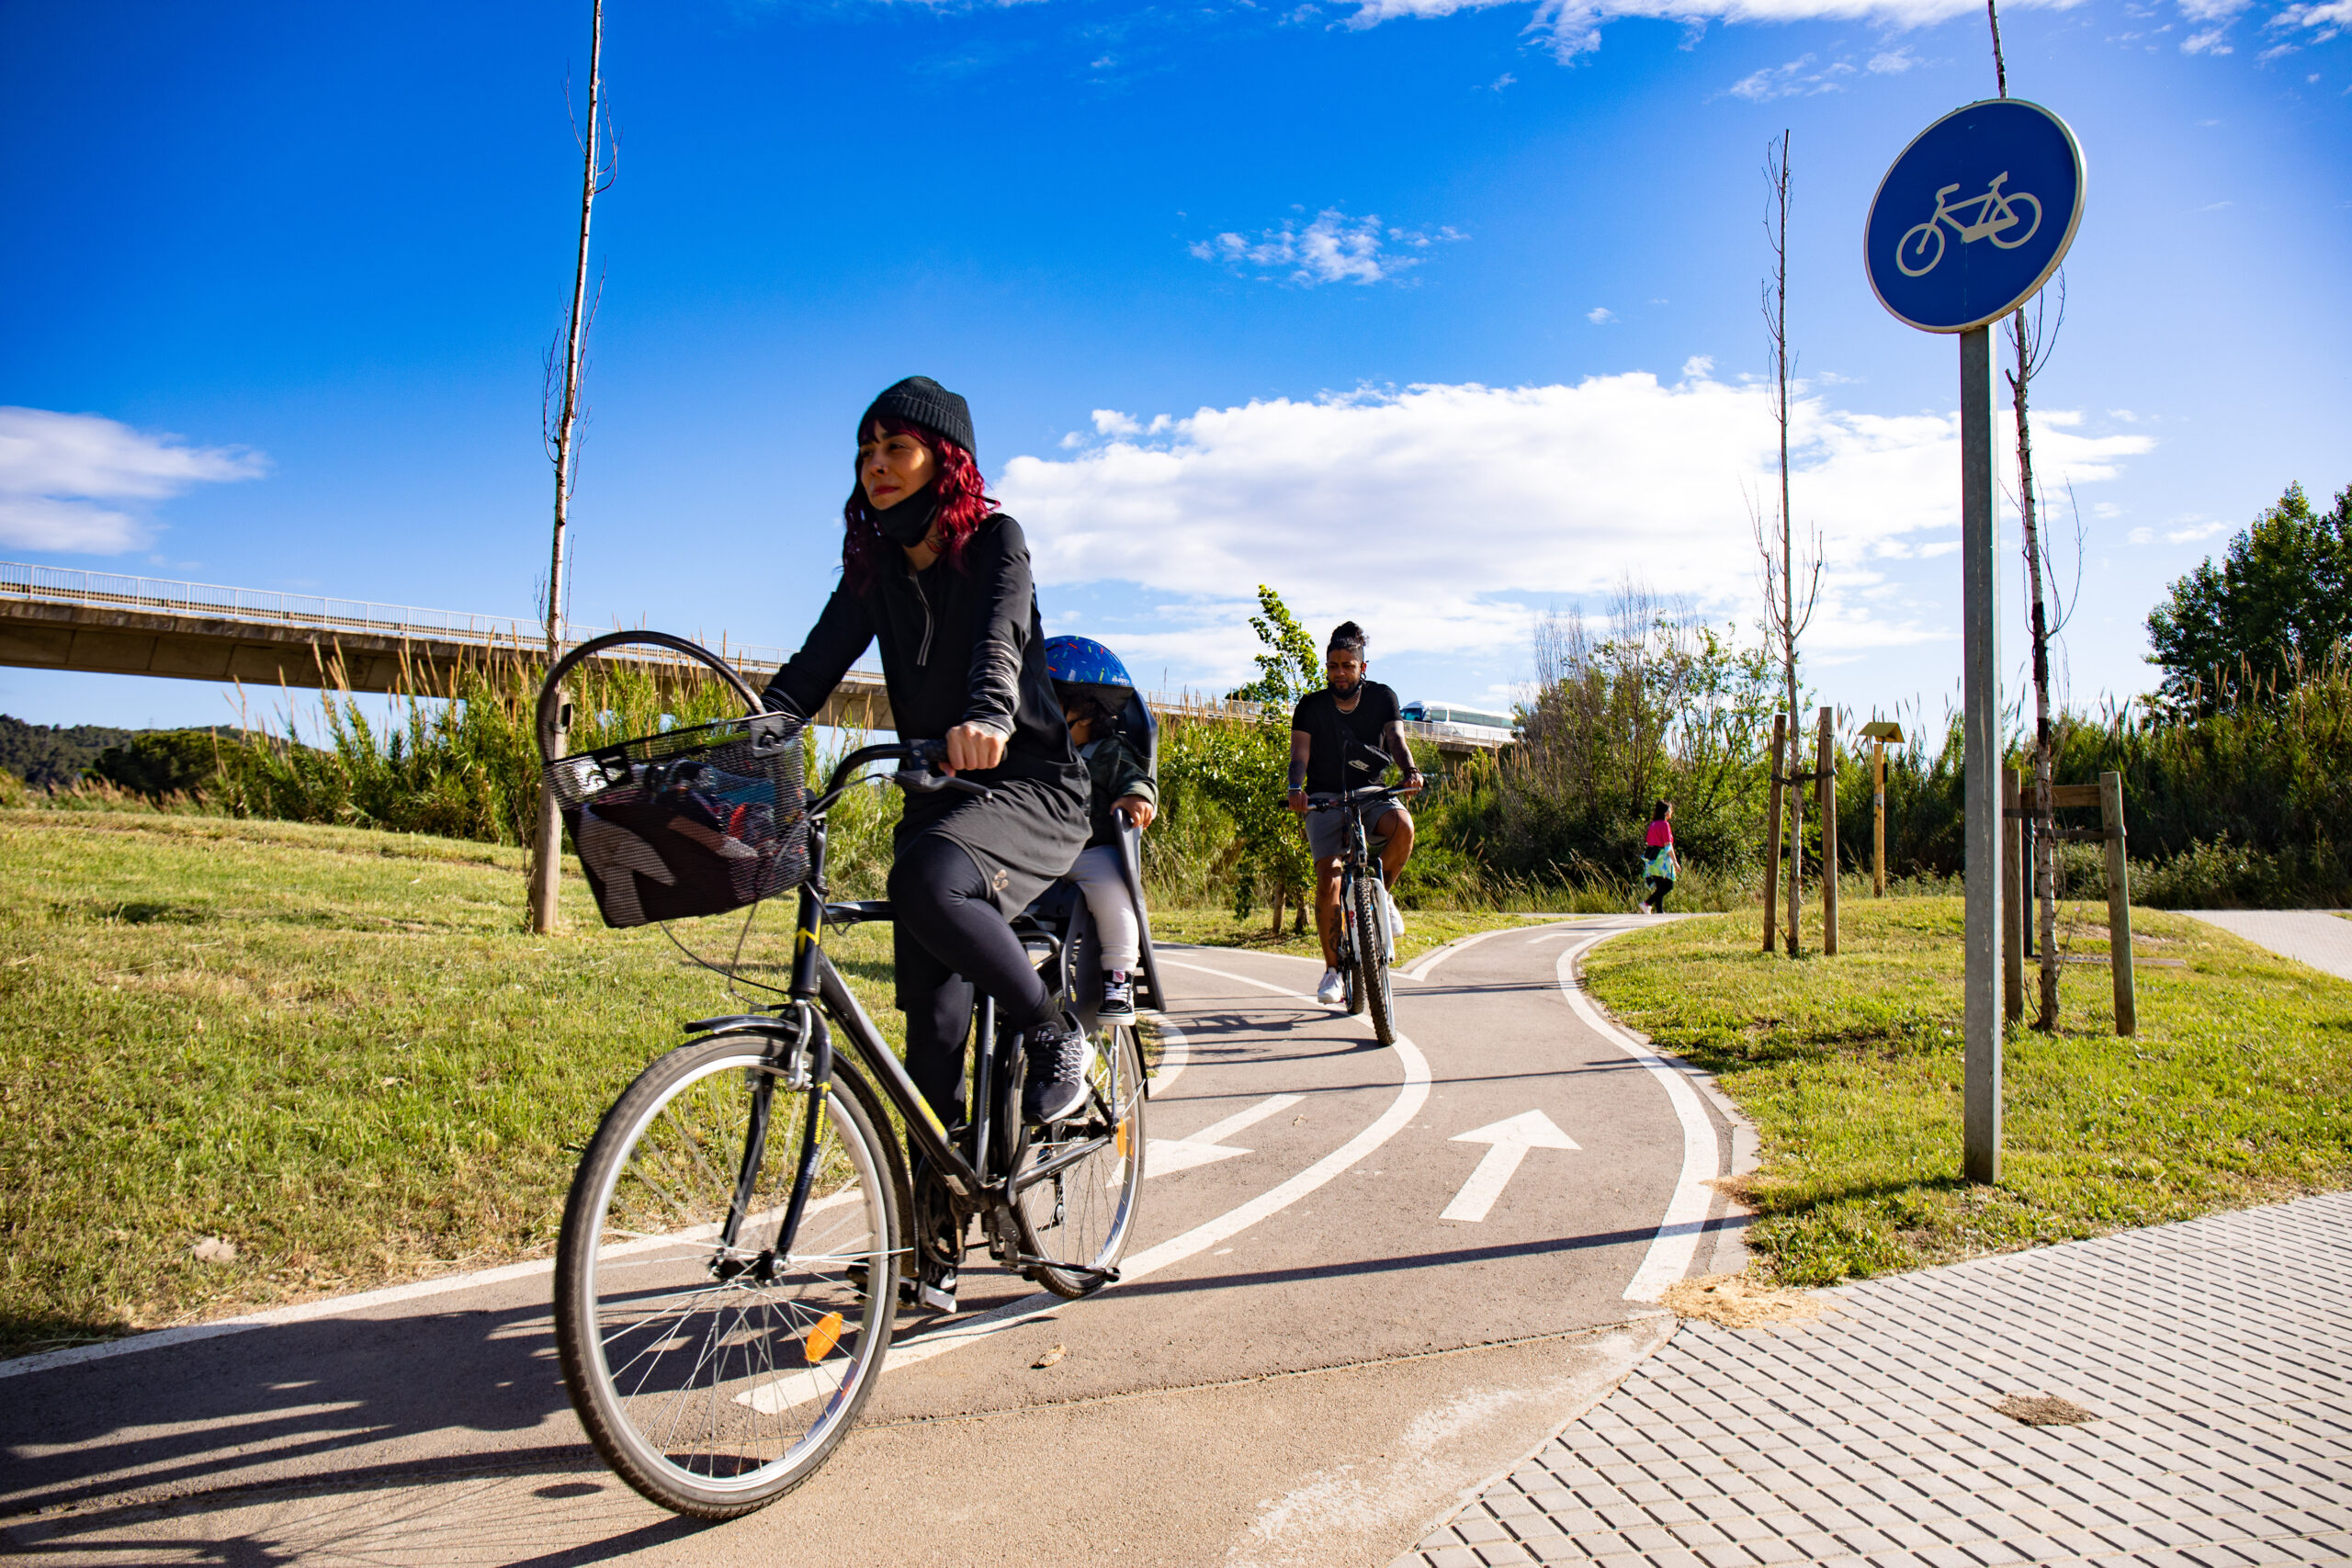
[{"x": 1095, "y": 692}]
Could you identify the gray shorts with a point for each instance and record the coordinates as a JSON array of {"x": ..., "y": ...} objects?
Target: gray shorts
[{"x": 1327, "y": 833}]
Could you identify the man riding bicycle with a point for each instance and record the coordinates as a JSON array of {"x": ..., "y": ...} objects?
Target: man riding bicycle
[{"x": 1340, "y": 737}]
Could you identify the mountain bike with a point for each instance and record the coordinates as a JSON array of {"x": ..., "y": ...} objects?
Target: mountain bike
[
  {"x": 742, "y": 1227},
  {"x": 1366, "y": 944}
]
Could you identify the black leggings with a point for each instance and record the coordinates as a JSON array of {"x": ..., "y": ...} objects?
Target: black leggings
[
  {"x": 949, "y": 938},
  {"x": 1659, "y": 888}
]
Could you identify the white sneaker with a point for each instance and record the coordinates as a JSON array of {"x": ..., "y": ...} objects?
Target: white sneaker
[
  {"x": 1396, "y": 924},
  {"x": 1333, "y": 991}
]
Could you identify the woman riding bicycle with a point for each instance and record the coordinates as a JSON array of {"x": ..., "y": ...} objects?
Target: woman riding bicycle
[{"x": 934, "y": 573}]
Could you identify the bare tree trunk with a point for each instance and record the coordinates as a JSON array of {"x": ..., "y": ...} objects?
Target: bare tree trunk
[
  {"x": 2030, "y": 347},
  {"x": 1785, "y": 619},
  {"x": 547, "y": 847}
]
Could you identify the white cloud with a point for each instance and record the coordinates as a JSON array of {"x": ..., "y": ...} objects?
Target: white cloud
[
  {"x": 1574, "y": 25},
  {"x": 1441, "y": 513},
  {"x": 1600, "y": 315},
  {"x": 2328, "y": 19},
  {"x": 1698, "y": 367},
  {"x": 1892, "y": 62},
  {"x": 1799, "y": 78},
  {"x": 1334, "y": 248},
  {"x": 59, "y": 471},
  {"x": 2194, "y": 532},
  {"x": 2207, "y": 42}
]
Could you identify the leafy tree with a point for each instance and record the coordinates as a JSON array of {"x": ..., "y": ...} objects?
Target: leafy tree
[
  {"x": 1244, "y": 768},
  {"x": 2279, "y": 603}
]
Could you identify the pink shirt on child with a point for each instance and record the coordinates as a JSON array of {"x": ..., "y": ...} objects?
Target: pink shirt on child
[{"x": 1661, "y": 834}]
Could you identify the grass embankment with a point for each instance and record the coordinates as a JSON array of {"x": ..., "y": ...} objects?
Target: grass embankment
[
  {"x": 333, "y": 1048},
  {"x": 2236, "y": 1090}
]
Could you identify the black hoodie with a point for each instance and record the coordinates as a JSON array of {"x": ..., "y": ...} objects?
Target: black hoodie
[{"x": 963, "y": 647}]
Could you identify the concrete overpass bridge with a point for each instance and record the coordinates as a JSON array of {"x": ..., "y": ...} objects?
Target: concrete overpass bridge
[{"x": 58, "y": 618}]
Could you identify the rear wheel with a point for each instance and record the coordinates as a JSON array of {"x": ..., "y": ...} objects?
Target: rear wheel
[
  {"x": 714, "y": 1375},
  {"x": 1371, "y": 962},
  {"x": 1079, "y": 1179}
]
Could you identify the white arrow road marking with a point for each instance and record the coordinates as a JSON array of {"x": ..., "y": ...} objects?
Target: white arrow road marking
[
  {"x": 1206, "y": 1147},
  {"x": 1511, "y": 1140}
]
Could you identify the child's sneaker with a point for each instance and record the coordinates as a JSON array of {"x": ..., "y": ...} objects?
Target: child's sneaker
[{"x": 1118, "y": 995}]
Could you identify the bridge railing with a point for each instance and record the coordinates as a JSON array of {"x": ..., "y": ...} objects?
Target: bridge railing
[{"x": 261, "y": 606}]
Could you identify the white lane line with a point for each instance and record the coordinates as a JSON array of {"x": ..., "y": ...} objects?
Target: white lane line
[
  {"x": 1410, "y": 1097},
  {"x": 1677, "y": 1241},
  {"x": 1429, "y": 961},
  {"x": 390, "y": 1295},
  {"x": 1175, "y": 1053},
  {"x": 1261, "y": 984},
  {"x": 1165, "y": 1156}
]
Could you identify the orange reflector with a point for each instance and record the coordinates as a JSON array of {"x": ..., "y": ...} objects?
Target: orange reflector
[
  {"x": 1119, "y": 1137},
  {"x": 824, "y": 1337}
]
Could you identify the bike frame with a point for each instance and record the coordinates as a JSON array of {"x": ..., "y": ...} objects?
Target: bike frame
[
  {"x": 1359, "y": 857},
  {"x": 818, "y": 992}
]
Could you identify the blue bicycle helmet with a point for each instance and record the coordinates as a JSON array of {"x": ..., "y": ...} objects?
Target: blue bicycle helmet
[{"x": 1082, "y": 662}]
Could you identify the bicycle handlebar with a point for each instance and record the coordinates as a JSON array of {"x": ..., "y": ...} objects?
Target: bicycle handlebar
[
  {"x": 1361, "y": 795},
  {"x": 924, "y": 772}
]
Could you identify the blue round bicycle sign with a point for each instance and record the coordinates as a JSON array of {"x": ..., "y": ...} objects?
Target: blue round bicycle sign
[{"x": 1974, "y": 216}]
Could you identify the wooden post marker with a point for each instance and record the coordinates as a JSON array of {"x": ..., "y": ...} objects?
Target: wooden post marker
[
  {"x": 1772, "y": 835},
  {"x": 1825, "y": 786},
  {"x": 2012, "y": 900},
  {"x": 1877, "y": 732},
  {"x": 2118, "y": 904}
]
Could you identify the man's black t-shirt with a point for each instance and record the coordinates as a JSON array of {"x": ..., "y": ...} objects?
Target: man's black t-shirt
[{"x": 1343, "y": 739}]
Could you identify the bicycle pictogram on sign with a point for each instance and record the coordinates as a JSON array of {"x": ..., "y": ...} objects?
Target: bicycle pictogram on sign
[{"x": 1997, "y": 212}]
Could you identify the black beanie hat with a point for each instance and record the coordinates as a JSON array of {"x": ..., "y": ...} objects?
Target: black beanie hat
[{"x": 927, "y": 403}]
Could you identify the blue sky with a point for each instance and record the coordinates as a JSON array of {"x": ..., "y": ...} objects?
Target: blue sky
[{"x": 1432, "y": 315}]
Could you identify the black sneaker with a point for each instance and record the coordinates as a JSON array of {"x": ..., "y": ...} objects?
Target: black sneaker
[
  {"x": 1118, "y": 995},
  {"x": 1058, "y": 1056}
]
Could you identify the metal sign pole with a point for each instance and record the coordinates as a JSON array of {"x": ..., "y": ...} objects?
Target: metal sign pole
[{"x": 1981, "y": 728}]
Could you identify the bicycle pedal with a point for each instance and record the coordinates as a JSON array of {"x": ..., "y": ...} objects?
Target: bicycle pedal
[{"x": 939, "y": 1296}]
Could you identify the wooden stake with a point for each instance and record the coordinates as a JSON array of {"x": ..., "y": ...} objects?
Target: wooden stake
[
  {"x": 2118, "y": 905},
  {"x": 1878, "y": 820},
  {"x": 1772, "y": 833},
  {"x": 1825, "y": 786},
  {"x": 2012, "y": 901}
]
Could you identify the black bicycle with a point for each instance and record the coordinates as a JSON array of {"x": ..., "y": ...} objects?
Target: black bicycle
[
  {"x": 728, "y": 1272},
  {"x": 1366, "y": 942}
]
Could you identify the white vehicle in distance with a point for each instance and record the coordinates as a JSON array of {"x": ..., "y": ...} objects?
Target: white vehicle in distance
[{"x": 1470, "y": 723}]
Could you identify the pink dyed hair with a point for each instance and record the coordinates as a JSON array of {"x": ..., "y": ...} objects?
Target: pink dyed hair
[{"x": 964, "y": 506}]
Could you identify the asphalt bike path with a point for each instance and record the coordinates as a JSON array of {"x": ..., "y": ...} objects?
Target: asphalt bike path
[{"x": 1364, "y": 1278}]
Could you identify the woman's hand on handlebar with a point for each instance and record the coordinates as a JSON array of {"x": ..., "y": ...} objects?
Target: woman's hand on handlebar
[
  {"x": 1296, "y": 801},
  {"x": 1136, "y": 809},
  {"x": 973, "y": 749}
]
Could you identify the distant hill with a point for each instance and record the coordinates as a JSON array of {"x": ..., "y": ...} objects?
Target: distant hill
[{"x": 47, "y": 756}]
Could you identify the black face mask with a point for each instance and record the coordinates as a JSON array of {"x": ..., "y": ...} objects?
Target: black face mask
[{"x": 907, "y": 524}]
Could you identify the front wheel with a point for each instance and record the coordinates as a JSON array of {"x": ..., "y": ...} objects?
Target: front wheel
[
  {"x": 1914, "y": 246},
  {"x": 1079, "y": 1179},
  {"x": 1372, "y": 951},
  {"x": 712, "y": 1373}
]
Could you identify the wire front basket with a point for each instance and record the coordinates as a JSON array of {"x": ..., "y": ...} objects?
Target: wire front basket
[{"x": 690, "y": 822}]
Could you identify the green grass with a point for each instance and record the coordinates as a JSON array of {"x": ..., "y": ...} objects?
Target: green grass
[
  {"x": 2236, "y": 1090},
  {"x": 335, "y": 1048}
]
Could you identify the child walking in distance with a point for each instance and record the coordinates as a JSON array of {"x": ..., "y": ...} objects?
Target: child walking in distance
[
  {"x": 1095, "y": 691},
  {"x": 1658, "y": 858}
]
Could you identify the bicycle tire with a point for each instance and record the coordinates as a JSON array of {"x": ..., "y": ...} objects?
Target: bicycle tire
[
  {"x": 637, "y": 1258},
  {"x": 2016, "y": 200},
  {"x": 1935, "y": 231},
  {"x": 1372, "y": 949},
  {"x": 1349, "y": 944},
  {"x": 1084, "y": 1213}
]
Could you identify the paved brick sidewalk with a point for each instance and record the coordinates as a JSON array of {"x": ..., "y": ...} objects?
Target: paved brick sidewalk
[
  {"x": 2217, "y": 1356},
  {"x": 2317, "y": 937}
]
